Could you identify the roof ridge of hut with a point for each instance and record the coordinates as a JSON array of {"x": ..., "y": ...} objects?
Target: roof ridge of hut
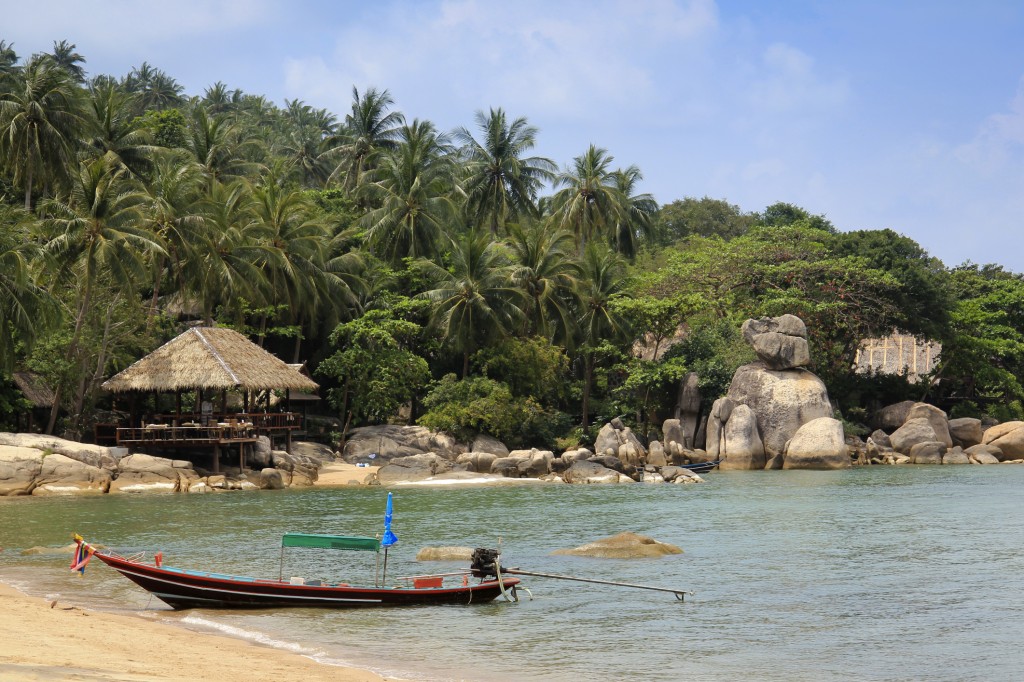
[{"x": 216, "y": 355}]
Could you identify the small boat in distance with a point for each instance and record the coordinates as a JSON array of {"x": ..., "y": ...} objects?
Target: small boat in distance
[
  {"x": 186, "y": 589},
  {"x": 701, "y": 467}
]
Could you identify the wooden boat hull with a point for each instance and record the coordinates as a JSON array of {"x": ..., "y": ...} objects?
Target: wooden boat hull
[{"x": 185, "y": 589}]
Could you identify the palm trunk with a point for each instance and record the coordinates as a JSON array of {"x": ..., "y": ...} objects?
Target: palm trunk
[
  {"x": 588, "y": 375},
  {"x": 72, "y": 350},
  {"x": 28, "y": 188}
]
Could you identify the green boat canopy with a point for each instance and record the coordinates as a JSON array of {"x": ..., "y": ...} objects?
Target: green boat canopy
[{"x": 330, "y": 542}]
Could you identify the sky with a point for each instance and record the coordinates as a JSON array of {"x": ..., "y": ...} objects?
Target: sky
[{"x": 903, "y": 114}]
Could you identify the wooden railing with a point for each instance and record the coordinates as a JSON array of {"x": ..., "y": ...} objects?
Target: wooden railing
[
  {"x": 261, "y": 421},
  {"x": 188, "y": 433}
]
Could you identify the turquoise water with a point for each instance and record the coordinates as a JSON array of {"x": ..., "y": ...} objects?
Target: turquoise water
[{"x": 884, "y": 573}]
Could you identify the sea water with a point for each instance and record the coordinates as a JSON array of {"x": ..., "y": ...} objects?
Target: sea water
[{"x": 880, "y": 573}]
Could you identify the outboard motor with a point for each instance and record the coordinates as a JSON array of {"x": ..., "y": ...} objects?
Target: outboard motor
[{"x": 484, "y": 562}]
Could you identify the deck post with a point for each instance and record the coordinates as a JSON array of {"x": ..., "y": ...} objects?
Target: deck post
[
  {"x": 216, "y": 458},
  {"x": 241, "y": 457},
  {"x": 288, "y": 440}
]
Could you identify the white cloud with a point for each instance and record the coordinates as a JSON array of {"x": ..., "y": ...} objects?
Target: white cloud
[
  {"x": 786, "y": 81},
  {"x": 568, "y": 60},
  {"x": 999, "y": 143}
]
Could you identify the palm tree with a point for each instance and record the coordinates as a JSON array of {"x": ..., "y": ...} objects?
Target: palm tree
[
  {"x": 214, "y": 144},
  {"x": 40, "y": 120},
  {"x": 293, "y": 242},
  {"x": 8, "y": 60},
  {"x": 589, "y": 202},
  {"x": 156, "y": 89},
  {"x": 95, "y": 233},
  {"x": 369, "y": 129},
  {"x": 219, "y": 99},
  {"x": 601, "y": 280},
  {"x": 546, "y": 270},
  {"x": 113, "y": 131},
  {"x": 228, "y": 257},
  {"x": 65, "y": 56},
  {"x": 171, "y": 211},
  {"x": 25, "y": 307},
  {"x": 639, "y": 210},
  {"x": 500, "y": 184},
  {"x": 474, "y": 299},
  {"x": 411, "y": 187}
]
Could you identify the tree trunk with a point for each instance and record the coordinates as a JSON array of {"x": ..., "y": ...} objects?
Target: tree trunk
[
  {"x": 72, "y": 351},
  {"x": 588, "y": 375},
  {"x": 28, "y": 190}
]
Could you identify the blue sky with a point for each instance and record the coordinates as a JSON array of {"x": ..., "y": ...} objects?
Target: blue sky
[{"x": 903, "y": 115}]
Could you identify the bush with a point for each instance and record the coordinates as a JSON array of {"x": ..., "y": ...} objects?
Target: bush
[{"x": 467, "y": 407}]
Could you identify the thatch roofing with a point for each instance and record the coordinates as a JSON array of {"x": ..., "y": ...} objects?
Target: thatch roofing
[
  {"x": 209, "y": 358},
  {"x": 34, "y": 388}
]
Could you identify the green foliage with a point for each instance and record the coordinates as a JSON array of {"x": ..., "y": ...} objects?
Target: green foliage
[
  {"x": 374, "y": 367},
  {"x": 12, "y": 403},
  {"x": 782, "y": 214},
  {"x": 168, "y": 128},
  {"x": 714, "y": 349},
  {"x": 705, "y": 217},
  {"x": 984, "y": 354},
  {"x": 467, "y": 407},
  {"x": 531, "y": 368}
]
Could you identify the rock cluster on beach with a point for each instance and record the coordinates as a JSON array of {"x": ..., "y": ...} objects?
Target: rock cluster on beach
[
  {"x": 919, "y": 433},
  {"x": 776, "y": 414},
  {"x": 32, "y": 464}
]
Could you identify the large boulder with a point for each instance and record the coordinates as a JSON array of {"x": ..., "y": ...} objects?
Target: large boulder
[
  {"x": 929, "y": 452},
  {"x": 613, "y": 436},
  {"x": 623, "y": 546},
  {"x": 1008, "y": 437},
  {"x": 62, "y": 475},
  {"x": 779, "y": 342},
  {"x": 656, "y": 454},
  {"x": 316, "y": 452},
  {"x": 688, "y": 408},
  {"x": 782, "y": 402},
  {"x": 389, "y": 441},
  {"x": 914, "y": 431},
  {"x": 818, "y": 444},
  {"x": 936, "y": 417},
  {"x": 892, "y": 417},
  {"x": 485, "y": 443},
  {"x": 966, "y": 431},
  {"x": 413, "y": 468},
  {"x": 93, "y": 455},
  {"x": 19, "y": 469},
  {"x": 987, "y": 450},
  {"x": 955, "y": 456},
  {"x": 478, "y": 462},
  {"x": 741, "y": 444},
  {"x": 585, "y": 471},
  {"x": 140, "y": 473},
  {"x": 271, "y": 479},
  {"x": 297, "y": 470}
]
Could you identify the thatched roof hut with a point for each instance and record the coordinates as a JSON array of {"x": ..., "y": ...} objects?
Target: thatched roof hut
[
  {"x": 209, "y": 358},
  {"x": 34, "y": 389}
]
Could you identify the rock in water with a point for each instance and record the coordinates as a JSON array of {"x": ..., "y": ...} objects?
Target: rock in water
[
  {"x": 623, "y": 546},
  {"x": 818, "y": 444}
]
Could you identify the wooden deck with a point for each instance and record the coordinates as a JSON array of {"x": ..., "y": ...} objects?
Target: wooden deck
[{"x": 187, "y": 435}]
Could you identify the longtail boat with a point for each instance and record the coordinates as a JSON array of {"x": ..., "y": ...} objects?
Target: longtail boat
[{"x": 184, "y": 589}]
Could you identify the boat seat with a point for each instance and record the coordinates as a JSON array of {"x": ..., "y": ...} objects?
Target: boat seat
[{"x": 429, "y": 581}]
